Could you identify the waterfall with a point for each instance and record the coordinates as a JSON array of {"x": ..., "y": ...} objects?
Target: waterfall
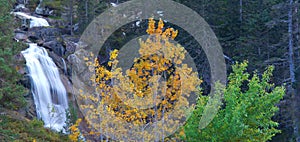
[
  {"x": 34, "y": 21},
  {"x": 65, "y": 66},
  {"x": 38, "y": 9},
  {"x": 49, "y": 93},
  {"x": 38, "y": 22}
]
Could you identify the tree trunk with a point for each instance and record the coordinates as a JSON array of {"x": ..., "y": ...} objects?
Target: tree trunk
[
  {"x": 86, "y": 12},
  {"x": 292, "y": 71},
  {"x": 291, "y": 52},
  {"x": 241, "y": 11},
  {"x": 297, "y": 32},
  {"x": 71, "y": 15}
]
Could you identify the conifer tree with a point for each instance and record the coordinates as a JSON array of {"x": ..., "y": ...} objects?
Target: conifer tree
[{"x": 11, "y": 93}]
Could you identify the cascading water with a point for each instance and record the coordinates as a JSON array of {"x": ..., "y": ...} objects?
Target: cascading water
[
  {"x": 34, "y": 21},
  {"x": 65, "y": 66},
  {"x": 49, "y": 93}
]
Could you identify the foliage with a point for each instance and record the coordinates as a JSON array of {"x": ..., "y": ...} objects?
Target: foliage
[
  {"x": 249, "y": 105},
  {"x": 157, "y": 83},
  {"x": 72, "y": 116},
  {"x": 75, "y": 132},
  {"x": 11, "y": 93},
  {"x": 12, "y": 129}
]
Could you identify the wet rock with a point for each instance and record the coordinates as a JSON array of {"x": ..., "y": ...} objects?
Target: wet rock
[
  {"x": 66, "y": 82},
  {"x": 55, "y": 46},
  {"x": 21, "y": 8},
  {"x": 40, "y": 42},
  {"x": 57, "y": 60},
  {"x": 21, "y": 36},
  {"x": 42, "y": 33},
  {"x": 34, "y": 21}
]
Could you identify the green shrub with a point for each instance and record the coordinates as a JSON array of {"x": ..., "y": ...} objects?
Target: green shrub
[
  {"x": 12, "y": 129},
  {"x": 249, "y": 105}
]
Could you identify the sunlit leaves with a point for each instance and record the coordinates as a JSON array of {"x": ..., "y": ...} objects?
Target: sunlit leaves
[
  {"x": 146, "y": 93},
  {"x": 249, "y": 104},
  {"x": 75, "y": 132}
]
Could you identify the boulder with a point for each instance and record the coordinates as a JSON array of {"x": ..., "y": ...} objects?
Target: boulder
[
  {"x": 76, "y": 63},
  {"x": 21, "y": 36}
]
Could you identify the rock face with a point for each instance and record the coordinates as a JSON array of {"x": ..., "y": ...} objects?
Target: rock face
[
  {"x": 44, "y": 34},
  {"x": 56, "y": 47},
  {"x": 70, "y": 47},
  {"x": 58, "y": 61},
  {"x": 77, "y": 63},
  {"x": 68, "y": 85},
  {"x": 30, "y": 110}
]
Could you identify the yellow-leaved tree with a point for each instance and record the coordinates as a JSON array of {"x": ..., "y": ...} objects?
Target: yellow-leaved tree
[{"x": 147, "y": 101}]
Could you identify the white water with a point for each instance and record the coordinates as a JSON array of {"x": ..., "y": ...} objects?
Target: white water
[
  {"x": 38, "y": 9},
  {"x": 34, "y": 21},
  {"x": 49, "y": 93},
  {"x": 65, "y": 66}
]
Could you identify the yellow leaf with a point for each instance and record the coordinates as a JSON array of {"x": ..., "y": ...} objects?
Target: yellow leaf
[{"x": 109, "y": 63}]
